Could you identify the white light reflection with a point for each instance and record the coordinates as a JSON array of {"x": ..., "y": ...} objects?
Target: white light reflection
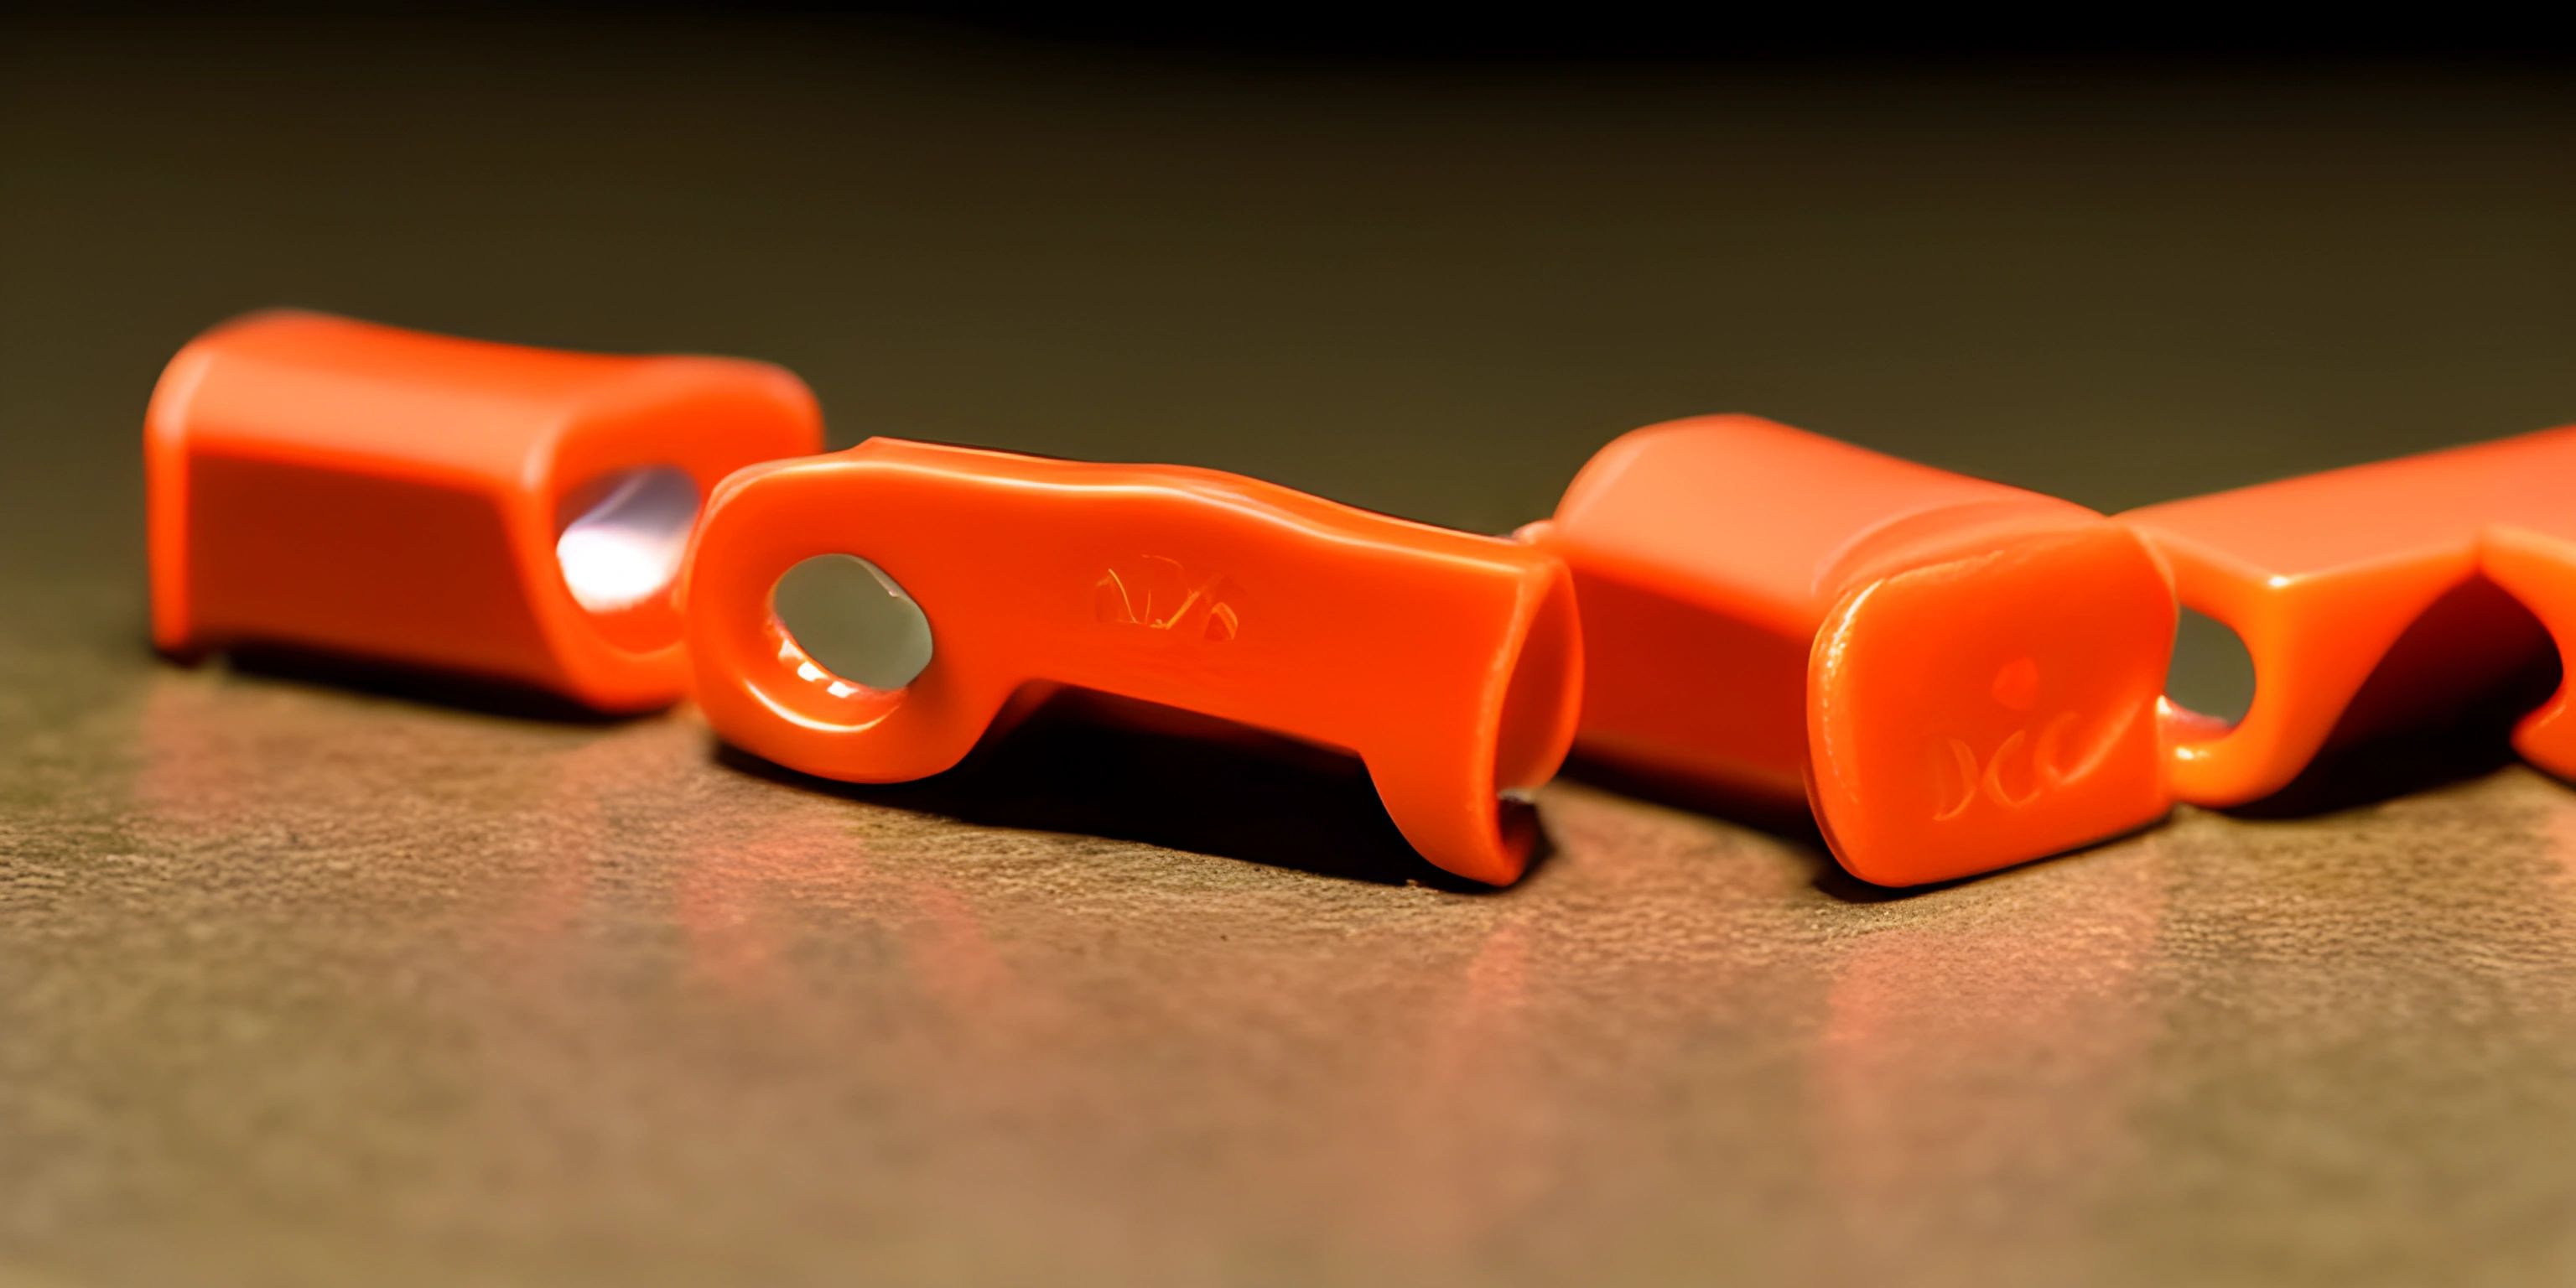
[{"x": 627, "y": 549}]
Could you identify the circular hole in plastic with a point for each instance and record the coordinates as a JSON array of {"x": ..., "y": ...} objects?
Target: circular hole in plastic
[
  {"x": 2212, "y": 673},
  {"x": 629, "y": 530},
  {"x": 853, "y": 620}
]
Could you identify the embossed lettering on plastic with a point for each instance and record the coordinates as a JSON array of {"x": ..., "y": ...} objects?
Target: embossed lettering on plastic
[
  {"x": 1155, "y": 593},
  {"x": 2038, "y": 765}
]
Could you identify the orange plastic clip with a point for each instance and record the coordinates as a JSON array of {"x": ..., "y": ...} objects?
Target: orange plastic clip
[
  {"x": 511, "y": 513},
  {"x": 1956, "y": 674},
  {"x": 2323, "y": 576},
  {"x": 1449, "y": 663}
]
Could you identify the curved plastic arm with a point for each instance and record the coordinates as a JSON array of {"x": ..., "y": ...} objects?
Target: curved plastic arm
[{"x": 1449, "y": 663}]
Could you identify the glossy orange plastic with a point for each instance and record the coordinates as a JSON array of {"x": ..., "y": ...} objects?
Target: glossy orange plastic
[
  {"x": 1957, "y": 675},
  {"x": 328, "y": 485},
  {"x": 1449, "y": 663},
  {"x": 2323, "y": 576}
]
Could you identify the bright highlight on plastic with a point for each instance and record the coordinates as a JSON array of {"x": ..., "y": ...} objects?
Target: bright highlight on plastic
[{"x": 627, "y": 549}]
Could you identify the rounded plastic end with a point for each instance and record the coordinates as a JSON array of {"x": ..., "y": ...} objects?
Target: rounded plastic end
[{"x": 1981, "y": 711}]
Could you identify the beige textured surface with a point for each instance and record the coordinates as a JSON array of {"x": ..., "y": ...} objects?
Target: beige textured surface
[{"x": 305, "y": 983}]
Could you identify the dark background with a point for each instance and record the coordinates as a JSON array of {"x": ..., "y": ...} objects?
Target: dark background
[
  {"x": 1418, "y": 274},
  {"x": 308, "y": 984}
]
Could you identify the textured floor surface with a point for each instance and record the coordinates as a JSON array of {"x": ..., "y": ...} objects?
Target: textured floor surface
[{"x": 312, "y": 983}]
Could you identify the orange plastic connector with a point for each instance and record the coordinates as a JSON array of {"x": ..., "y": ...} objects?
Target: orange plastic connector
[
  {"x": 1957, "y": 675},
  {"x": 514, "y": 514},
  {"x": 2322, "y": 576},
  {"x": 1449, "y": 663}
]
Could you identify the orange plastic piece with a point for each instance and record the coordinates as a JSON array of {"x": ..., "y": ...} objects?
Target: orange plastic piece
[
  {"x": 2322, "y": 576},
  {"x": 323, "y": 484},
  {"x": 1957, "y": 675},
  {"x": 1449, "y": 663}
]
